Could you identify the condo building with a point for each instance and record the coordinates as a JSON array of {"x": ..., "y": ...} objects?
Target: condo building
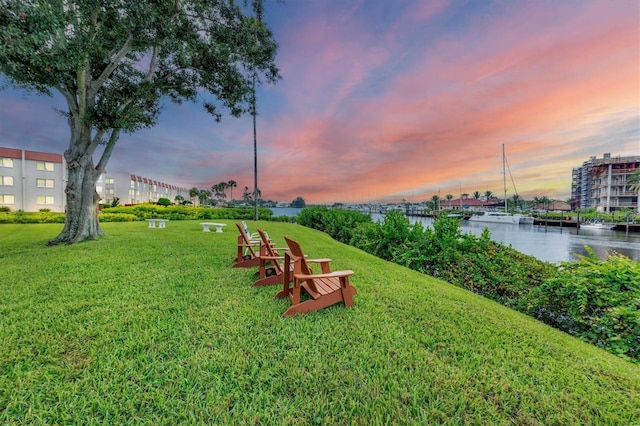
[
  {"x": 602, "y": 183},
  {"x": 31, "y": 181}
]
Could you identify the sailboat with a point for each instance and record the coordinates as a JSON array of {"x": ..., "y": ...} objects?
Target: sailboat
[{"x": 503, "y": 217}]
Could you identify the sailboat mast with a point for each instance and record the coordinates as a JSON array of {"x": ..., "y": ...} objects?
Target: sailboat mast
[{"x": 504, "y": 179}]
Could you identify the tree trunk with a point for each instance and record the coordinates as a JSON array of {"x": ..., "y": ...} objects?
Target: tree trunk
[{"x": 81, "y": 222}]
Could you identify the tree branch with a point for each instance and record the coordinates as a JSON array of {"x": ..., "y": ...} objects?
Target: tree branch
[
  {"x": 113, "y": 64},
  {"x": 108, "y": 150}
]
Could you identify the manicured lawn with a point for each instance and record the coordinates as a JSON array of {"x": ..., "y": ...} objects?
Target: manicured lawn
[{"x": 153, "y": 326}]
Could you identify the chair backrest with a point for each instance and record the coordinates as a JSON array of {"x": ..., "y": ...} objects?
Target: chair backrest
[
  {"x": 243, "y": 232},
  {"x": 266, "y": 242},
  {"x": 267, "y": 248},
  {"x": 246, "y": 228},
  {"x": 297, "y": 256}
]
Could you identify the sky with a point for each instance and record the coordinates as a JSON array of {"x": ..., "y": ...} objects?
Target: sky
[{"x": 385, "y": 100}]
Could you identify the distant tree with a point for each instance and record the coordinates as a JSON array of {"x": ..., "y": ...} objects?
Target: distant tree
[
  {"x": 194, "y": 193},
  {"x": 298, "y": 203},
  {"x": 516, "y": 200},
  {"x": 179, "y": 199},
  {"x": 449, "y": 197},
  {"x": 488, "y": 194},
  {"x": 476, "y": 195},
  {"x": 218, "y": 190},
  {"x": 164, "y": 202},
  {"x": 247, "y": 196},
  {"x": 436, "y": 202},
  {"x": 115, "y": 202},
  {"x": 231, "y": 184},
  {"x": 114, "y": 62},
  {"x": 546, "y": 202},
  {"x": 203, "y": 195}
]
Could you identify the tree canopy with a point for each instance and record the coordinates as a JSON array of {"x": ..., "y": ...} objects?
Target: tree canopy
[{"x": 114, "y": 62}]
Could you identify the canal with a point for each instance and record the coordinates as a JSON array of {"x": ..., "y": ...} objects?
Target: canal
[{"x": 551, "y": 244}]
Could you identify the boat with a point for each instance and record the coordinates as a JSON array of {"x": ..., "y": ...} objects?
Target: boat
[
  {"x": 597, "y": 224},
  {"x": 495, "y": 217},
  {"x": 524, "y": 219},
  {"x": 503, "y": 217}
]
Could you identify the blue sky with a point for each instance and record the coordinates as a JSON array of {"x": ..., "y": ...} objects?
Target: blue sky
[{"x": 385, "y": 100}]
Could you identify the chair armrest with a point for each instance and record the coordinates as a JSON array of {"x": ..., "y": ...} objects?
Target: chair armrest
[
  {"x": 319, "y": 260},
  {"x": 336, "y": 274},
  {"x": 272, "y": 257}
]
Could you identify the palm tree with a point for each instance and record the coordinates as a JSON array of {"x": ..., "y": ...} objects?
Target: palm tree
[
  {"x": 476, "y": 195},
  {"x": 547, "y": 202},
  {"x": 516, "y": 200},
  {"x": 436, "y": 201},
  {"x": 231, "y": 184},
  {"x": 218, "y": 190},
  {"x": 246, "y": 195},
  {"x": 488, "y": 194},
  {"x": 194, "y": 193},
  {"x": 203, "y": 194}
]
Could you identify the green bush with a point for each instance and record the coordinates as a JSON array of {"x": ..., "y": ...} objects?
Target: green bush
[
  {"x": 164, "y": 202},
  {"x": 340, "y": 224},
  {"x": 45, "y": 216},
  {"x": 118, "y": 217},
  {"x": 595, "y": 300}
]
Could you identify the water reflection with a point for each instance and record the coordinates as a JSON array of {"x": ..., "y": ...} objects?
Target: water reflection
[{"x": 555, "y": 244}]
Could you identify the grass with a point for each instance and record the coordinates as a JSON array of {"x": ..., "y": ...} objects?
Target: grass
[{"x": 153, "y": 326}]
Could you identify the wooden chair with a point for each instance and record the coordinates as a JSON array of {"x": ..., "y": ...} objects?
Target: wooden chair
[
  {"x": 324, "y": 289},
  {"x": 247, "y": 247},
  {"x": 271, "y": 262}
]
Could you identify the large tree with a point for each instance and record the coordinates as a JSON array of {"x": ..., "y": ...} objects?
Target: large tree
[{"x": 115, "y": 61}]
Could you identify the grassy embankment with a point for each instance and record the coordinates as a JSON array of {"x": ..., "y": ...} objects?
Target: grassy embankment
[{"x": 154, "y": 327}]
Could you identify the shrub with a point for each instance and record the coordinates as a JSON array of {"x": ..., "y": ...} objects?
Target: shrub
[
  {"x": 118, "y": 217},
  {"x": 595, "y": 300},
  {"x": 164, "y": 202},
  {"x": 340, "y": 224}
]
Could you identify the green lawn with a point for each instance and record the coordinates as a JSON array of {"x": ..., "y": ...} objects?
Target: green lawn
[{"x": 153, "y": 326}]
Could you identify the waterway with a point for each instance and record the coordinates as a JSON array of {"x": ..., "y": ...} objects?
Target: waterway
[{"x": 551, "y": 244}]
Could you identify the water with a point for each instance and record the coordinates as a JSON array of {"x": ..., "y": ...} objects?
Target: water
[
  {"x": 285, "y": 211},
  {"x": 551, "y": 244}
]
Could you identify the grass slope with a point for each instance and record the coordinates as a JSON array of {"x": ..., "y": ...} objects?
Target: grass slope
[{"x": 153, "y": 326}]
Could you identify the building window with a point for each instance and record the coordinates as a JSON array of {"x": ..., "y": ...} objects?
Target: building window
[
  {"x": 45, "y": 183},
  {"x": 7, "y": 199},
  {"x": 45, "y": 165},
  {"x": 6, "y": 180},
  {"x": 45, "y": 199},
  {"x": 108, "y": 180},
  {"x": 109, "y": 191},
  {"x": 6, "y": 162}
]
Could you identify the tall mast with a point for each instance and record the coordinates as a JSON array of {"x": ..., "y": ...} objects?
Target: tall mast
[{"x": 504, "y": 179}]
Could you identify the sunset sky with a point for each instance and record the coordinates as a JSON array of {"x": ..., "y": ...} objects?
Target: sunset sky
[{"x": 384, "y": 100}]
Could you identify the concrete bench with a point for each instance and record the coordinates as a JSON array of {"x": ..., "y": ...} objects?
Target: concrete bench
[
  {"x": 206, "y": 225},
  {"x": 161, "y": 223}
]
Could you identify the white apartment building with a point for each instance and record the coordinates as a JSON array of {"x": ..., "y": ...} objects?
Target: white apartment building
[
  {"x": 602, "y": 183},
  {"x": 31, "y": 181},
  {"x": 133, "y": 189}
]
